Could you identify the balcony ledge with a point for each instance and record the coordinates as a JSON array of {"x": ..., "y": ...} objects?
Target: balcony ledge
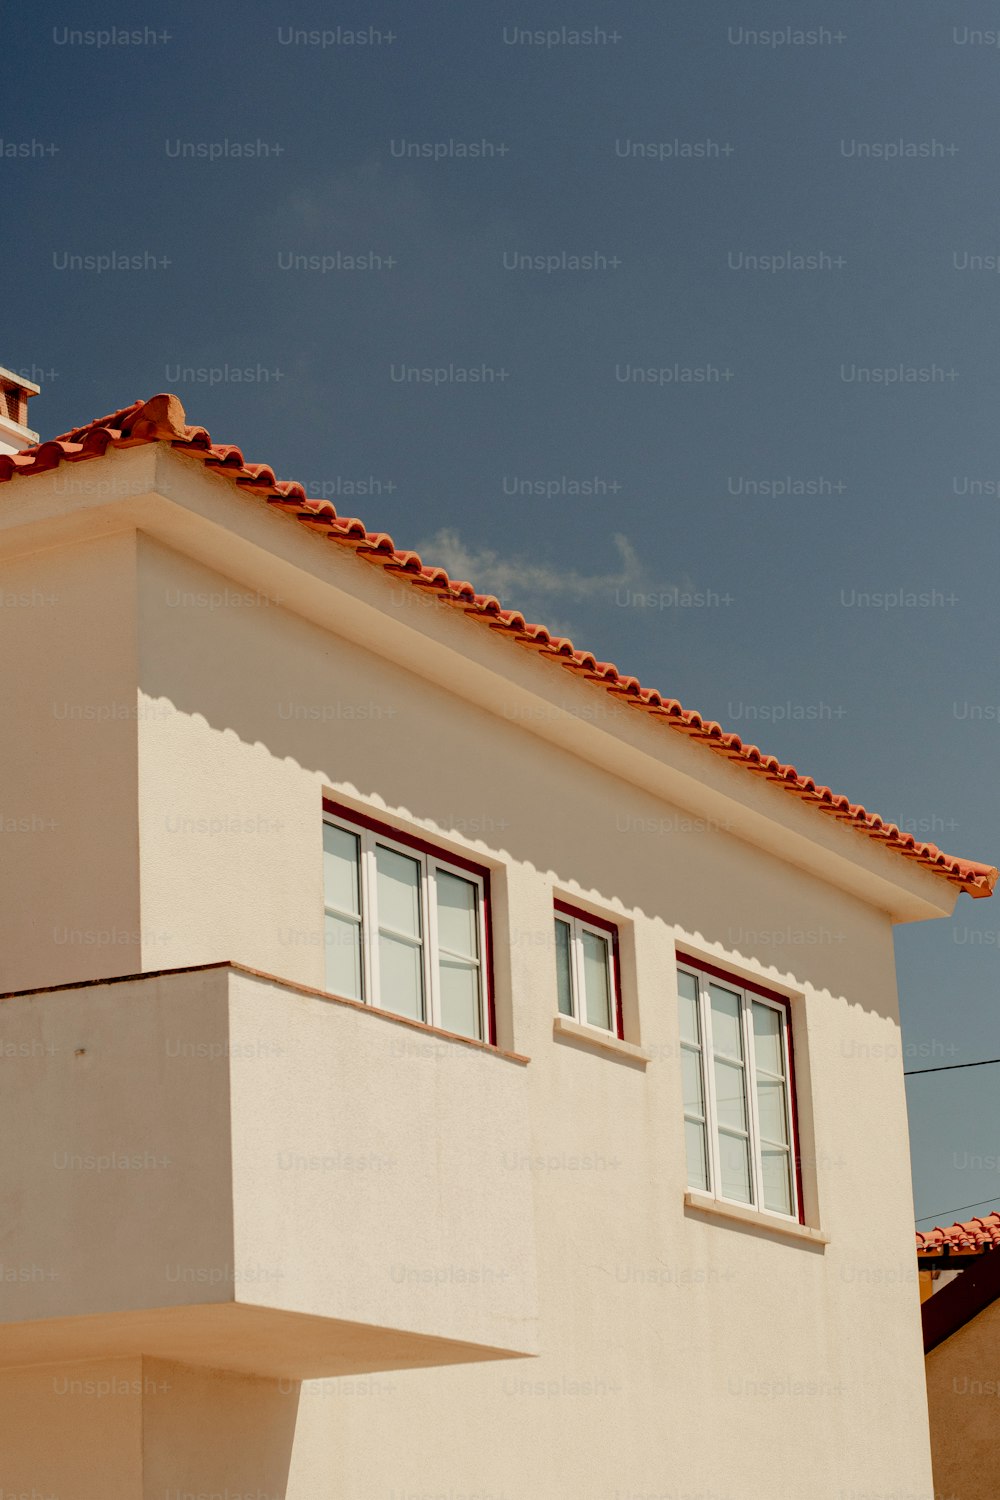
[
  {"x": 304, "y": 1188},
  {"x": 285, "y": 984}
]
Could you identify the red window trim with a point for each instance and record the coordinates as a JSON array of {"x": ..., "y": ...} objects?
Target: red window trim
[
  {"x": 611, "y": 928},
  {"x": 390, "y": 831},
  {"x": 731, "y": 978},
  {"x": 423, "y": 846},
  {"x": 784, "y": 1001}
]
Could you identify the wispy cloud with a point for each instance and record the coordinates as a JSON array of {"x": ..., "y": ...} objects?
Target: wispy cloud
[{"x": 526, "y": 583}]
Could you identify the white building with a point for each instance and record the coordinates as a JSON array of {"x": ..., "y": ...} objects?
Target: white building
[{"x": 403, "y": 1003}]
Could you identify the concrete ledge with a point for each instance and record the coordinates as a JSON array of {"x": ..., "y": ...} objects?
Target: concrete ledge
[
  {"x": 234, "y": 1336},
  {"x": 285, "y": 984},
  {"x": 320, "y": 1187},
  {"x": 600, "y": 1041},
  {"x": 752, "y": 1218}
]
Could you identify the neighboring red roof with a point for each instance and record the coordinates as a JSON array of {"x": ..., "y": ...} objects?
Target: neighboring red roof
[
  {"x": 973, "y": 1238},
  {"x": 163, "y": 420}
]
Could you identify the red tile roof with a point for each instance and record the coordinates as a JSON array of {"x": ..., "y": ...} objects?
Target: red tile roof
[
  {"x": 973, "y": 1238},
  {"x": 162, "y": 419}
]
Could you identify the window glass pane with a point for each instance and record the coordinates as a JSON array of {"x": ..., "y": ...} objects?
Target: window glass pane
[
  {"x": 727, "y": 1034},
  {"x": 458, "y": 930},
  {"x": 767, "y": 1039},
  {"x": 734, "y": 1161},
  {"x": 340, "y": 869},
  {"x": 401, "y": 980},
  {"x": 595, "y": 979},
  {"x": 687, "y": 997},
  {"x": 564, "y": 980},
  {"x": 730, "y": 1095},
  {"x": 771, "y": 1111},
  {"x": 772, "y": 1108},
  {"x": 343, "y": 957},
  {"x": 697, "y": 1168},
  {"x": 777, "y": 1172},
  {"x": 398, "y": 892},
  {"x": 691, "y": 1073},
  {"x": 460, "y": 997}
]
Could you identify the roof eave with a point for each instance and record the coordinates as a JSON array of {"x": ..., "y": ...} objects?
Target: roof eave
[{"x": 161, "y": 422}]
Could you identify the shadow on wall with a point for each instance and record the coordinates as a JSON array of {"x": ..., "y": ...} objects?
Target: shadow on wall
[
  {"x": 212, "y": 1430},
  {"x": 146, "y": 1426},
  {"x": 304, "y": 704}
]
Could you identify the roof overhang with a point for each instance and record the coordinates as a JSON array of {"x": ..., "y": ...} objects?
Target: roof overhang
[{"x": 152, "y": 489}]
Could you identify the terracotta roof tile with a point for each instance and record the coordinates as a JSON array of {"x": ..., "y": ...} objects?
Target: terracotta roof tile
[
  {"x": 162, "y": 419},
  {"x": 976, "y": 1237}
]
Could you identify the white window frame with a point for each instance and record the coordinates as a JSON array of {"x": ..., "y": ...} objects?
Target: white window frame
[
  {"x": 429, "y": 865},
  {"x": 748, "y": 997},
  {"x": 578, "y": 994}
]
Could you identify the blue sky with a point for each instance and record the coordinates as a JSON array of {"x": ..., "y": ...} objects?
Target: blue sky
[{"x": 618, "y": 468}]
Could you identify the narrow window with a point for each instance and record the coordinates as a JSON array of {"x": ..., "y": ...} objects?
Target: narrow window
[
  {"x": 459, "y": 952},
  {"x": 736, "y": 1071},
  {"x": 773, "y": 1108},
  {"x": 692, "y": 1070},
  {"x": 587, "y": 976},
  {"x": 343, "y": 936},
  {"x": 400, "y": 932},
  {"x": 564, "y": 965}
]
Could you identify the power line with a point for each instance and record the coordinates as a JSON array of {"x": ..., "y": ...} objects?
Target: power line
[
  {"x": 948, "y": 1068},
  {"x": 987, "y": 1062},
  {"x": 961, "y": 1206}
]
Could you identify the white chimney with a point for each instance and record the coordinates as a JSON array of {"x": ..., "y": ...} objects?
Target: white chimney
[{"x": 15, "y": 394}]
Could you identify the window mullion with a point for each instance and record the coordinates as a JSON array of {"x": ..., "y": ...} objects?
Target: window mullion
[
  {"x": 753, "y": 1122},
  {"x": 579, "y": 976},
  {"x": 484, "y": 1019},
  {"x": 428, "y": 882},
  {"x": 708, "y": 1081},
  {"x": 790, "y": 1120},
  {"x": 609, "y": 950},
  {"x": 369, "y": 919}
]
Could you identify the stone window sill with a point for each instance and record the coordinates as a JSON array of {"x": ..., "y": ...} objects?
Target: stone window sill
[
  {"x": 601, "y": 1041},
  {"x": 718, "y": 1208}
]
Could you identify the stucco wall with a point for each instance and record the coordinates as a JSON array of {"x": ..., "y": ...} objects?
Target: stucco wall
[
  {"x": 68, "y": 774},
  {"x": 116, "y": 1169},
  {"x": 366, "y": 1185},
  {"x": 680, "y": 1355},
  {"x": 212, "y": 1167}
]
